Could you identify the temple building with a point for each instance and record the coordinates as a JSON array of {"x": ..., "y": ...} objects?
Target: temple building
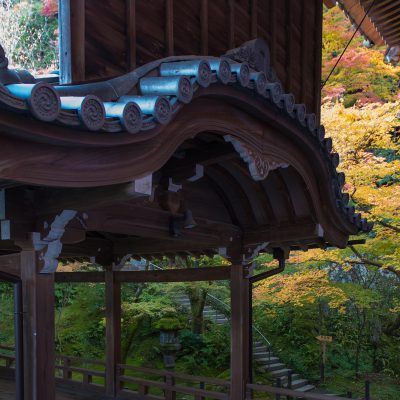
[{"x": 185, "y": 127}]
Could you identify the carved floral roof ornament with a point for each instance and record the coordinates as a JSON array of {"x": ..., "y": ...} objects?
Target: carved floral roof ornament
[{"x": 259, "y": 164}]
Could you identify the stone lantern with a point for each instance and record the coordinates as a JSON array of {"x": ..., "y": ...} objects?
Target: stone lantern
[{"x": 169, "y": 342}]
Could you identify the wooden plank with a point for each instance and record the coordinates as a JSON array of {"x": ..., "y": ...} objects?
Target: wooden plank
[
  {"x": 231, "y": 44},
  {"x": 77, "y": 9},
  {"x": 254, "y": 23},
  {"x": 175, "y": 275},
  {"x": 113, "y": 332},
  {"x": 204, "y": 26},
  {"x": 289, "y": 39},
  {"x": 305, "y": 53},
  {"x": 79, "y": 277},
  {"x": 318, "y": 58},
  {"x": 156, "y": 246},
  {"x": 131, "y": 32},
  {"x": 169, "y": 23},
  {"x": 240, "y": 331},
  {"x": 273, "y": 31}
]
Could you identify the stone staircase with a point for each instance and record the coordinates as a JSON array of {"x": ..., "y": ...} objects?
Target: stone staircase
[
  {"x": 209, "y": 312},
  {"x": 265, "y": 360}
]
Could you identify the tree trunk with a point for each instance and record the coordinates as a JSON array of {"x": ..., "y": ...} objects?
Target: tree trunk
[{"x": 197, "y": 298}]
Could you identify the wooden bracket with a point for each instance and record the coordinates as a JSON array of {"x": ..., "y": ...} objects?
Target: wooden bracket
[{"x": 50, "y": 246}]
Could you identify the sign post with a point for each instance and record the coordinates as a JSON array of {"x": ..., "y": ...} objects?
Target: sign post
[{"x": 323, "y": 341}]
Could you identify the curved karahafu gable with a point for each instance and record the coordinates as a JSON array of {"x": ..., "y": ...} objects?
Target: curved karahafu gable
[{"x": 115, "y": 131}]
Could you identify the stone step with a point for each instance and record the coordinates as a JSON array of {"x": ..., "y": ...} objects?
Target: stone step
[
  {"x": 181, "y": 297},
  {"x": 257, "y": 349},
  {"x": 285, "y": 378},
  {"x": 306, "y": 388},
  {"x": 268, "y": 360},
  {"x": 213, "y": 312},
  {"x": 262, "y": 354},
  {"x": 274, "y": 367},
  {"x": 280, "y": 372},
  {"x": 298, "y": 383}
]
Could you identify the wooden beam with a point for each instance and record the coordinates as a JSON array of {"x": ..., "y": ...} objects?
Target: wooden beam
[
  {"x": 77, "y": 8},
  {"x": 54, "y": 200},
  {"x": 168, "y": 275},
  {"x": 301, "y": 230},
  {"x": 149, "y": 222},
  {"x": 175, "y": 275},
  {"x": 240, "y": 331},
  {"x": 79, "y": 277},
  {"x": 169, "y": 24},
  {"x": 213, "y": 155},
  {"x": 113, "y": 332},
  {"x": 289, "y": 33},
  {"x": 131, "y": 32},
  {"x": 11, "y": 264}
]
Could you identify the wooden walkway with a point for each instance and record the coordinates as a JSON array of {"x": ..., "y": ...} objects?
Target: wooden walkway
[{"x": 7, "y": 392}]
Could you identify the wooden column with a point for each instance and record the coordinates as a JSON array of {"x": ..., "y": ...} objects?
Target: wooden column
[
  {"x": 113, "y": 332},
  {"x": 78, "y": 34},
  {"x": 38, "y": 329},
  {"x": 240, "y": 332}
]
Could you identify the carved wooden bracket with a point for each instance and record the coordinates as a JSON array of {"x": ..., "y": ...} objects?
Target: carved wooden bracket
[
  {"x": 50, "y": 246},
  {"x": 259, "y": 165}
]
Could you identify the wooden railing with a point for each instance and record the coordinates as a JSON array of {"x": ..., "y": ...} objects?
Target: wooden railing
[
  {"x": 253, "y": 391},
  {"x": 134, "y": 383},
  {"x": 152, "y": 384},
  {"x": 7, "y": 358},
  {"x": 87, "y": 373}
]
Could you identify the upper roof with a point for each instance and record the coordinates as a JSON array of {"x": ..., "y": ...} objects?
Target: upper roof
[{"x": 381, "y": 25}]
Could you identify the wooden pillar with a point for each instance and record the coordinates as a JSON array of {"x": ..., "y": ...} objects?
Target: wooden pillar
[
  {"x": 38, "y": 329},
  {"x": 113, "y": 332},
  {"x": 240, "y": 332}
]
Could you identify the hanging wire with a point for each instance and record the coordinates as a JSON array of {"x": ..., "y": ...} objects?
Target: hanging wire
[{"x": 348, "y": 44}]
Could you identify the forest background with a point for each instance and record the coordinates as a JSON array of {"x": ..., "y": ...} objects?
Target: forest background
[{"x": 352, "y": 295}]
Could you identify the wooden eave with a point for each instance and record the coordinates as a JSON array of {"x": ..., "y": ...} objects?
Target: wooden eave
[
  {"x": 270, "y": 178},
  {"x": 382, "y": 24}
]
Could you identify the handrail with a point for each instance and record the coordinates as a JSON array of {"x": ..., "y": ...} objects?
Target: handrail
[
  {"x": 261, "y": 334},
  {"x": 254, "y": 327}
]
